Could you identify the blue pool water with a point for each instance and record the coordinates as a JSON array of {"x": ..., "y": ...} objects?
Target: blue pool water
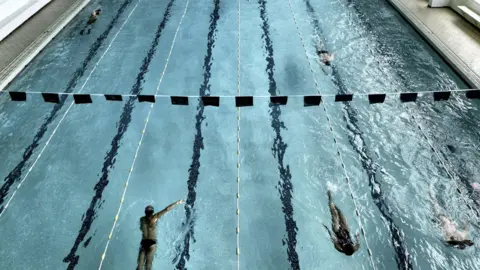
[{"x": 63, "y": 212}]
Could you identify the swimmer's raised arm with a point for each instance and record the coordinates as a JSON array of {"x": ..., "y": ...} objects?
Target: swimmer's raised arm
[
  {"x": 334, "y": 240},
  {"x": 332, "y": 237},
  {"x": 168, "y": 208},
  {"x": 338, "y": 247},
  {"x": 357, "y": 239}
]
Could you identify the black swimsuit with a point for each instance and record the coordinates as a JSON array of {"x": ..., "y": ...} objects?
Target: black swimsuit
[
  {"x": 343, "y": 238},
  {"x": 147, "y": 243}
]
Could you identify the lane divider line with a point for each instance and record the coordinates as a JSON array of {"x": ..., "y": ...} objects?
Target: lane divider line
[
  {"x": 140, "y": 142},
  {"x": 347, "y": 177},
  {"x": 66, "y": 112},
  {"x": 442, "y": 161}
]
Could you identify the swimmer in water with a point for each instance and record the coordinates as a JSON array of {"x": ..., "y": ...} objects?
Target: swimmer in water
[
  {"x": 148, "y": 226},
  {"x": 93, "y": 18},
  {"x": 325, "y": 57},
  {"x": 341, "y": 234},
  {"x": 476, "y": 186},
  {"x": 453, "y": 236}
]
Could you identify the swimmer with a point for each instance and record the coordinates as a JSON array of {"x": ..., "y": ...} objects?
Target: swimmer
[
  {"x": 453, "y": 236},
  {"x": 148, "y": 226},
  {"x": 325, "y": 57},
  {"x": 91, "y": 20},
  {"x": 476, "y": 186},
  {"x": 94, "y": 16},
  {"x": 341, "y": 235}
]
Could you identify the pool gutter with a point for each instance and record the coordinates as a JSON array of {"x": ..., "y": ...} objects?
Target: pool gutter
[
  {"x": 11, "y": 70},
  {"x": 464, "y": 69}
]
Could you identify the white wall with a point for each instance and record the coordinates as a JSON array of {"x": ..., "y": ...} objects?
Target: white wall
[
  {"x": 474, "y": 5},
  {"x": 14, "y": 13},
  {"x": 439, "y": 3},
  {"x": 455, "y": 3}
]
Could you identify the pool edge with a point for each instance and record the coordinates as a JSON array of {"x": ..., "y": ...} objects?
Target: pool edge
[
  {"x": 458, "y": 65},
  {"x": 10, "y": 72}
]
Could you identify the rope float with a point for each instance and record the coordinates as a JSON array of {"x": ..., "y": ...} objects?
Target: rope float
[
  {"x": 238, "y": 148},
  {"x": 140, "y": 142},
  {"x": 442, "y": 161},
  {"x": 357, "y": 212}
]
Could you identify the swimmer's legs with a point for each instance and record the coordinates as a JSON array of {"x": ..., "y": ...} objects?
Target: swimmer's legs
[
  {"x": 334, "y": 212},
  {"x": 141, "y": 259},
  {"x": 86, "y": 30},
  {"x": 150, "y": 254}
]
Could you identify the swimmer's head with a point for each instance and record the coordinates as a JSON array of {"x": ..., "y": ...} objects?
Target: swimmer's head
[
  {"x": 476, "y": 186},
  {"x": 327, "y": 63},
  {"x": 349, "y": 249},
  {"x": 149, "y": 211},
  {"x": 98, "y": 11},
  {"x": 468, "y": 242}
]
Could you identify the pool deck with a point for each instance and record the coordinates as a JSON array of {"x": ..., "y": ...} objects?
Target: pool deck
[
  {"x": 457, "y": 40},
  {"x": 23, "y": 44}
]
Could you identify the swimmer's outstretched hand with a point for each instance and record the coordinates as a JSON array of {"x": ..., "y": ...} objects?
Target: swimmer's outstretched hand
[
  {"x": 180, "y": 201},
  {"x": 329, "y": 193}
]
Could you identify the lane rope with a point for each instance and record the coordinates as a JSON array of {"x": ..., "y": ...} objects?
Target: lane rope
[
  {"x": 452, "y": 176},
  {"x": 266, "y": 96},
  {"x": 140, "y": 141},
  {"x": 68, "y": 109},
  {"x": 238, "y": 147},
  {"x": 357, "y": 212}
]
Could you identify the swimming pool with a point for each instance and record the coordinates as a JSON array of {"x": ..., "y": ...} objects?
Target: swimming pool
[{"x": 63, "y": 212}]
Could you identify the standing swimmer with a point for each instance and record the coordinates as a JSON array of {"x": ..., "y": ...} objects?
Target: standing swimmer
[
  {"x": 341, "y": 234},
  {"x": 148, "y": 226},
  {"x": 91, "y": 20},
  {"x": 453, "y": 236}
]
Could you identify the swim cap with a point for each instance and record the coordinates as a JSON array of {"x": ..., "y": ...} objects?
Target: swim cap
[
  {"x": 476, "y": 186},
  {"x": 349, "y": 249},
  {"x": 149, "y": 210}
]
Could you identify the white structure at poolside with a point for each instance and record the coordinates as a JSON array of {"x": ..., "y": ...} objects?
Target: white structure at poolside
[
  {"x": 14, "y": 13},
  {"x": 26, "y": 27},
  {"x": 452, "y": 27}
]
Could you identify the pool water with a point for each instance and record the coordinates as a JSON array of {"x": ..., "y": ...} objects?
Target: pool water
[{"x": 65, "y": 167}]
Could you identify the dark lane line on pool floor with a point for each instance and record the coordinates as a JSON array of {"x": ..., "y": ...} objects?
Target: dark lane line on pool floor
[
  {"x": 387, "y": 53},
  {"x": 403, "y": 258},
  {"x": 183, "y": 254},
  {"x": 279, "y": 147},
  {"x": 72, "y": 258},
  {"x": 16, "y": 173}
]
